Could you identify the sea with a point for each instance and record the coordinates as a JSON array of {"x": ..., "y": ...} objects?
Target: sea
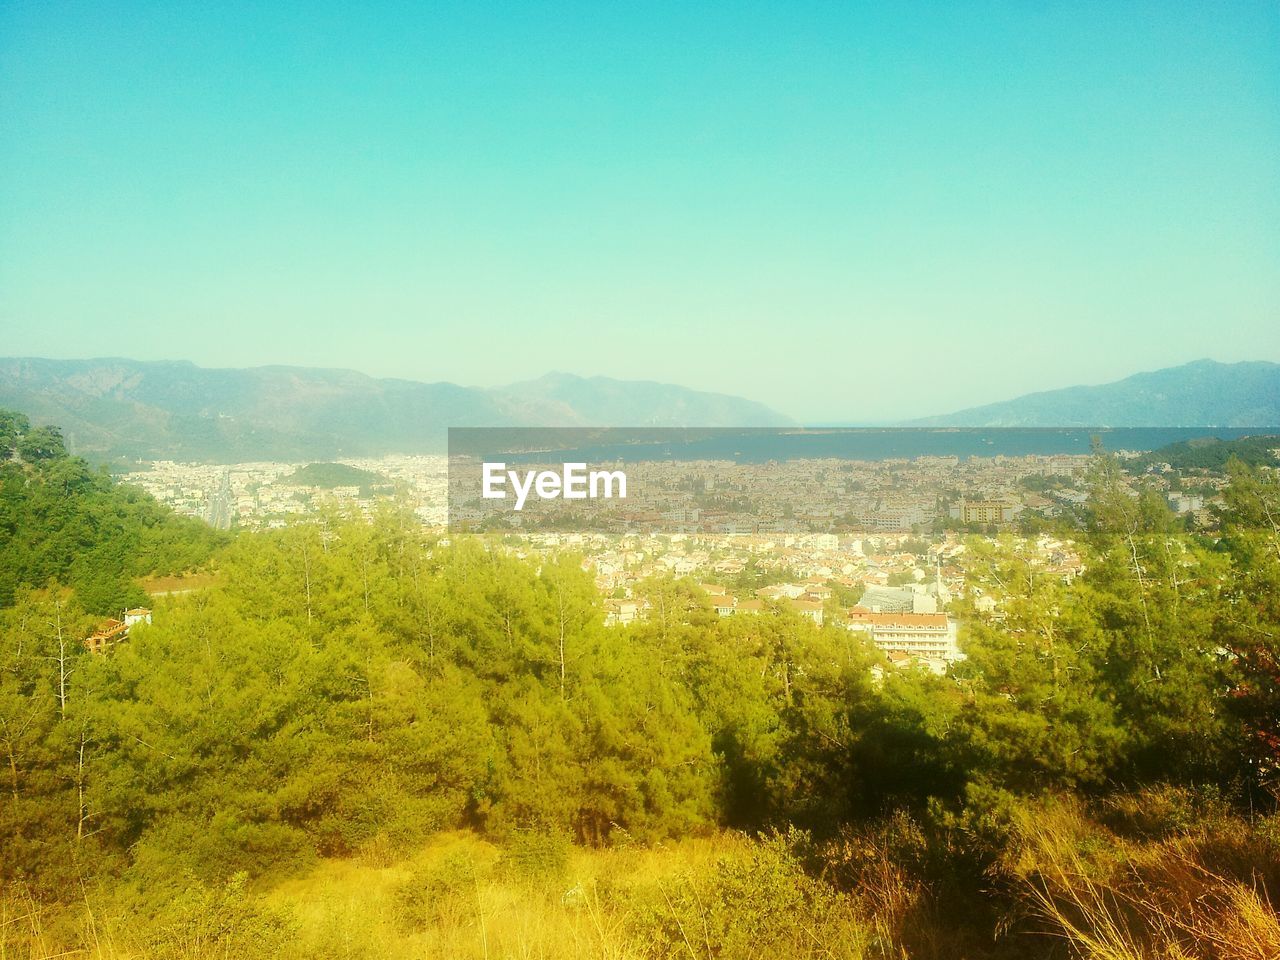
[{"x": 783, "y": 444}]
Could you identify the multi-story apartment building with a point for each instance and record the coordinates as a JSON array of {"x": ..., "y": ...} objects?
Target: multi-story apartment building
[
  {"x": 929, "y": 636},
  {"x": 982, "y": 511}
]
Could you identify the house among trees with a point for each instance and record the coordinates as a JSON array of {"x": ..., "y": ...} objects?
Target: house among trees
[
  {"x": 137, "y": 615},
  {"x": 112, "y": 631},
  {"x": 108, "y": 634},
  {"x": 621, "y": 611}
]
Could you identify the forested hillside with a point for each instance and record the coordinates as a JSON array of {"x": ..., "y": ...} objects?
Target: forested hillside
[
  {"x": 355, "y": 693},
  {"x": 62, "y": 521},
  {"x": 329, "y": 475},
  {"x": 1211, "y": 453}
]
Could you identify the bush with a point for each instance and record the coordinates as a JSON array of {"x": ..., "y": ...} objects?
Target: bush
[
  {"x": 442, "y": 891},
  {"x": 1165, "y": 810},
  {"x": 536, "y": 857},
  {"x": 758, "y": 903},
  {"x": 221, "y": 922}
]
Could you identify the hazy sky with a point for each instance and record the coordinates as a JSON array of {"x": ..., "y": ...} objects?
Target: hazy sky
[{"x": 847, "y": 211}]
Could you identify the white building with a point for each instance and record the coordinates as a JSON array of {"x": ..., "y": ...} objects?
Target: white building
[
  {"x": 137, "y": 615},
  {"x": 929, "y": 636}
]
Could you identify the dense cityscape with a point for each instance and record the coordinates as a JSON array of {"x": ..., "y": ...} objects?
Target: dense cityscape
[{"x": 877, "y": 546}]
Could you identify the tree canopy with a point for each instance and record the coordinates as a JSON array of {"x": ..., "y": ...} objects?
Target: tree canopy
[{"x": 63, "y": 522}]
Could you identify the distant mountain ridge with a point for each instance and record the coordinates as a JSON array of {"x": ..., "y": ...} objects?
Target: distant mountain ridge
[
  {"x": 116, "y": 407},
  {"x": 1204, "y": 393},
  {"x": 641, "y": 403}
]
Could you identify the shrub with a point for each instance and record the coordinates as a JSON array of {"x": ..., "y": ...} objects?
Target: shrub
[
  {"x": 758, "y": 903},
  {"x": 536, "y": 857},
  {"x": 442, "y": 891},
  {"x": 225, "y": 921},
  {"x": 1164, "y": 810}
]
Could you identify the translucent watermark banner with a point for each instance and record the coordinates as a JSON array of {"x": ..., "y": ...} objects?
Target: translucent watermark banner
[{"x": 770, "y": 480}]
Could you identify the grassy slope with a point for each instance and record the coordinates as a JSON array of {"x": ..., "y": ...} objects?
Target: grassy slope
[
  {"x": 349, "y": 908},
  {"x": 1201, "y": 892}
]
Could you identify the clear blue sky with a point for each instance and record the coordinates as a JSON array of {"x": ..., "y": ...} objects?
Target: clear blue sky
[{"x": 848, "y": 211}]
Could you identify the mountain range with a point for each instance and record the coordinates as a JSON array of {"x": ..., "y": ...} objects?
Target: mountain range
[
  {"x": 119, "y": 408},
  {"x": 1200, "y": 394}
]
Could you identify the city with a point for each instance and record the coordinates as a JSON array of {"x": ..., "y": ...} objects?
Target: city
[{"x": 877, "y": 547}]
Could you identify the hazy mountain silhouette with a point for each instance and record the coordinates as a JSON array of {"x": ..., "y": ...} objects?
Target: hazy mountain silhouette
[
  {"x": 117, "y": 407},
  {"x": 1200, "y": 394}
]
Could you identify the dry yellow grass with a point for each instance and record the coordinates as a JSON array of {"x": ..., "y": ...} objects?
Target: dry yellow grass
[
  {"x": 1117, "y": 900},
  {"x": 348, "y": 909},
  {"x": 351, "y": 909},
  {"x": 726, "y": 897}
]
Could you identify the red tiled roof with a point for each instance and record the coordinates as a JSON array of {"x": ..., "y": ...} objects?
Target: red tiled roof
[
  {"x": 109, "y": 628},
  {"x": 937, "y": 620}
]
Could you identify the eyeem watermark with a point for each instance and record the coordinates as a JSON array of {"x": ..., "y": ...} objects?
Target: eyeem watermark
[{"x": 573, "y": 482}]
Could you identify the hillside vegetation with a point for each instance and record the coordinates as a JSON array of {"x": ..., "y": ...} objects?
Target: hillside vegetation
[
  {"x": 330, "y": 475},
  {"x": 1211, "y": 453},
  {"x": 62, "y": 521},
  {"x": 363, "y": 742}
]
